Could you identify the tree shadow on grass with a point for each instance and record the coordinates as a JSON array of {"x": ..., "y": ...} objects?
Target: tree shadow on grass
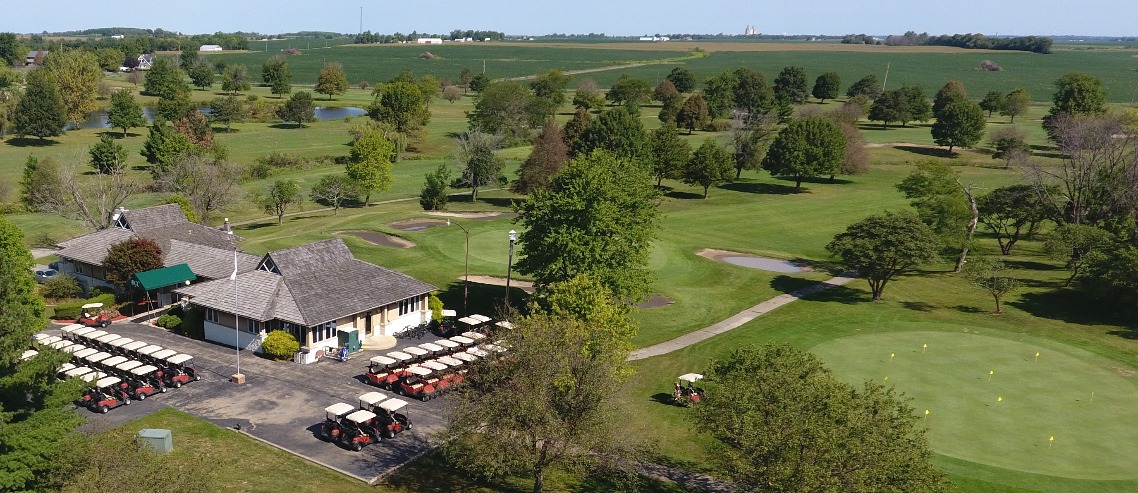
[
  {"x": 486, "y": 299},
  {"x": 26, "y": 142},
  {"x": 918, "y": 306},
  {"x": 1071, "y": 306},
  {"x": 432, "y": 472},
  {"x": 790, "y": 284},
  {"x": 926, "y": 151},
  {"x": 683, "y": 195},
  {"x": 840, "y": 294},
  {"x": 968, "y": 309},
  {"x": 663, "y": 398},
  {"x": 1030, "y": 265},
  {"x": 287, "y": 126},
  {"x": 762, "y": 188},
  {"x": 820, "y": 180}
]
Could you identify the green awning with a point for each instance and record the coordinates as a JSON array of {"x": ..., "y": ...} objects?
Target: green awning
[{"x": 166, "y": 276}]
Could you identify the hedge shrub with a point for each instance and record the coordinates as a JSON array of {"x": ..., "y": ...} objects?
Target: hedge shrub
[
  {"x": 170, "y": 322},
  {"x": 193, "y": 324},
  {"x": 280, "y": 345},
  {"x": 74, "y": 309},
  {"x": 61, "y": 287}
]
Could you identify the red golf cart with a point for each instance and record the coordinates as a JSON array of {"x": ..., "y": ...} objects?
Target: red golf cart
[
  {"x": 388, "y": 420},
  {"x": 419, "y": 383},
  {"x": 686, "y": 396},
  {"x": 107, "y": 395},
  {"x": 180, "y": 369},
  {"x": 383, "y": 371},
  {"x": 146, "y": 380},
  {"x": 333, "y": 417},
  {"x": 95, "y": 316},
  {"x": 357, "y": 430}
]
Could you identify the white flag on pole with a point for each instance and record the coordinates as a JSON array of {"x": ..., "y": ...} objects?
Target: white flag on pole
[{"x": 233, "y": 276}]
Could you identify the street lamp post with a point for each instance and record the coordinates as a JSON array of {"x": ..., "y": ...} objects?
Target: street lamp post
[
  {"x": 466, "y": 278},
  {"x": 510, "y": 266}
]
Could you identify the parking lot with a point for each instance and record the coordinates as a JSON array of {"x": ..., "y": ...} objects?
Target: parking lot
[{"x": 281, "y": 403}]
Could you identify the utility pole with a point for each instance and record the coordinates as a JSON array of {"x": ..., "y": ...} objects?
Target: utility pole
[{"x": 361, "y": 20}]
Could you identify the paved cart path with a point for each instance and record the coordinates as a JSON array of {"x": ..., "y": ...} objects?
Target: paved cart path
[{"x": 735, "y": 320}]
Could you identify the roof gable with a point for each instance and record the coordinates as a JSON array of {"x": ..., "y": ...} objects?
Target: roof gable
[
  {"x": 321, "y": 255},
  {"x": 159, "y": 216}
]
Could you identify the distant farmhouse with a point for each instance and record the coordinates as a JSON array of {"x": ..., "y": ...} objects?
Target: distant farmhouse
[
  {"x": 655, "y": 38},
  {"x": 145, "y": 61},
  {"x": 35, "y": 57}
]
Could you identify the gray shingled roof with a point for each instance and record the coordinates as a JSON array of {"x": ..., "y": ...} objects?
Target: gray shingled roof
[
  {"x": 205, "y": 261},
  {"x": 208, "y": 251},
  {"x": 318, "y": 282}
]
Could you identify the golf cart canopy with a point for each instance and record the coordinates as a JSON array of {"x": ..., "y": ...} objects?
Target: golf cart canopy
[
  {"x": 88, "y": 306},
  {"x": 107, "y": 339},
  {"x": 371, "y": 398},
  {"x": 91, "y": 376},
  {"x": 447, "y": 343},
  {"x": 430, "y": 346},
  {"x": 59, "y": 344},
  {"x": 143, "y": 370},
  {"x": 134, "y": 346},
  {"x": 449, "y": 361},
  {"x": 449, "y": 313},
  {"x": 97, "y": 357},
  {"x": 434, "y": 365},
  {"x": 479, "y": 352},
  {"x": 469, "y": 320},
  {"x": 108, "y": 381},
  {"x": 146, "y": 351},
  {"x": 114, "y": 361},
  {"x": 505, "y": 325},
  {"x": 496, "y": 348},
  {"x": 339, "y": 409},
  {"x": 163, "y": 354},
  {"x": 465, "y": 341},
  {"x": 83, "y": 353},
  {"x": 66, "y": 367},
  {"x": 361, "y": 416},
  {"x": 74, "y": 347},
  {"x": 417, "y": 351},
  {"x": 131, "y": 366},
  {"x": 392, "y": 405},
  {"x": 77, "y": 371},
  {"x": 179, "y": 359},
  {"x": 94, "y": 335},
  {"x": 82, "y": 331},
  {"x": 68, "y": 329},
  {"x": 399, "y": 355},
  {"x": 481, "y": 318},
  {"x": 49, "y": 340},
  {"x": 691, "y": 377},
  {"x": 419, "y": 370},
  {"x": 40, "y": 337},
  {"x": 467, "y": 357},
  {"x": 120, "y": 342},
  {"x": 474, "y": 335},
  {"x": 382, "y": 360},
  {"x": 28, "y": 354}
]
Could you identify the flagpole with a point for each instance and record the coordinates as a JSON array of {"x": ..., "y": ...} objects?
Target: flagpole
[{"x": 238, "y": 377}]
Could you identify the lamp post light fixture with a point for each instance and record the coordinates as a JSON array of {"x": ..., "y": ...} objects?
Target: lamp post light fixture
[
  {"x": 510, "y": 266},
  {"x": 466, "y": 278}
]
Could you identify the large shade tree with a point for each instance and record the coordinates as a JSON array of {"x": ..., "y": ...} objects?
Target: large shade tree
[
  {"x": 129, "y": 257},
  {"x": 598, "y": 217},
  {"x": 881, "y": 247},
  {"x": 40, "y": 112},
  {"x": 782, "y": 422},
  {"x": 808, "y": 147},
  {"x": 370, "y": 165}
]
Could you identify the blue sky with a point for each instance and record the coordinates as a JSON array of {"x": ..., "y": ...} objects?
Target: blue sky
[{"x": 619, "y": 17}]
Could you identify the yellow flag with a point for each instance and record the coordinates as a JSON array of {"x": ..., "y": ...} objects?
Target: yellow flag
[
  {"x": 926, "y": 412},
  {"x": 1037, "y": 354},
  {"x": 991, "y": 372},
  {"x": 1052, "y": 438},
  {"x": 892, "y": 355},
  {"x": 925, "y": 346},
  {"x": 999, "y": 399},
  {"x": 886, "y": 378}
]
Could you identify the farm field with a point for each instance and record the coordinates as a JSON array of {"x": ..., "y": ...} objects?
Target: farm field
[{"x": 983, "y": 444}]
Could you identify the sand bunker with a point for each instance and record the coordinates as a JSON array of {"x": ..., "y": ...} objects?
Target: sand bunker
[
  {"x": 381, "y": 239},
  {"x": 476, "y": 216},
  {"x": 754, "y": 261},
  {"x": 526, "y": 286},
  {"x": 416, "y": 224}
]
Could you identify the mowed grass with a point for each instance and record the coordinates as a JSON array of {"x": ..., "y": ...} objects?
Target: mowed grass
[{"x": 992, "y": 401}]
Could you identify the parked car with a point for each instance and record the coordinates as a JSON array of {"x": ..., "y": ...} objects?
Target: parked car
[{"x": 45, "y": 274}]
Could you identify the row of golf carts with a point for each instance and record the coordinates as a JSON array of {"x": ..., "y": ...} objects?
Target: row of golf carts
[
  {"x": 118, "y": 368},
  {"x": 428, "y": 370},
  {"x": 376, "y": 419}
]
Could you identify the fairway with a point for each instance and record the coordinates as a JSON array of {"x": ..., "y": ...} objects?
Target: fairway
[{"x": 1041, "y": 398}]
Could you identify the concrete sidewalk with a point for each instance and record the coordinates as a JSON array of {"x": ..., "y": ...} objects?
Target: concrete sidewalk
[{"x": 734, "y": 321}]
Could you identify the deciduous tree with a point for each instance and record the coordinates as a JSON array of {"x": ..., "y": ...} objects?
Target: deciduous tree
[
  {"x": 944, "y": 203},
  {"x": 464, "y": 79},
  {"x": 1016, "y": 103},
  {"x": 719, "y": 93},
  {"x": 808, "y": 147},
  {"x": 279, "y": 197},
  {"x": 952, "y": 91},
  {"x": 548, "y": 156},
  {"x": 827, "y": 86},
  {"x": 129, "y": 257},
  {"x": 992, "y": 274},
  {"x": 693, "y": 113},
  {"x": 683, "y": 78},
  {"x": 235, "y": 79},
  {"x": 41, "y": 186},
  {"x": 481, "y": 165},
  {"x": 993, "y": 102},
  {"x": 867, "y": 86},
  {"x": 960, "y": 123},
  {"x": 276, "y": 73},
  {"x": 589, "y": 96},
  {"x": 195, "y": 127},
  {"x": 881, "y": 247},
  {"x": 619, "y": 131},
  {"x": 550, "y": 85},
  {"x": 1010, "y": 144},
  {"x": 211, "y": 183},
  {"x": 710, "y": 166},
  {"x": 125, "y": 112},
  {"x": 201, "y": 74},
  {"x": 1011, "y": 212},
  {"x": 227, "y": 110},
  {"x": 1073, "y": 243},
  {"x": 782, "y": 422},
  {"x": 77, "y": 75},
  {"x": 551, "y": 403},
  {"x": 332, "y": 80},
  {"x": 479, "y": 82},
  {"x": 790, "y": 85},
  {"x": 502, "y": 108},
  {"x": 598, "y": 217},
  {"x": 666, "y": 92},
  {"x": 452, "y": 94},
  {"x": 333, "y": 191},
  {"x": 402, "y": 104},
  {"x": 629, "y": 91},
  {"x": 752, "y": 95},
  {"x": 370, "y": 164}
]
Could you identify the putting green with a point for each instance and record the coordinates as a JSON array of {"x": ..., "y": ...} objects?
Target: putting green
[{"x": 1041, "y": 397}]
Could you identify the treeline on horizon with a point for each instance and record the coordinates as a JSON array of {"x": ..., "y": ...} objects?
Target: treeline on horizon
[
  {"x": 970, "y": 41},
  {"x": 368, "y": 37}
]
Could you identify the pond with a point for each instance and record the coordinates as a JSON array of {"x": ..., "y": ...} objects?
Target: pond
[
  {"x": 763, "y": 263},
  {"x": 98, "y": 119}
]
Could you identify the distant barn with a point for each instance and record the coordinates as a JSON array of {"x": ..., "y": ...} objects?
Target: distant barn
[{"x": 210, "y": 48}]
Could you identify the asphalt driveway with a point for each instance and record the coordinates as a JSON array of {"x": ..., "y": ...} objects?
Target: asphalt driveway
[{"x": 281, "y": 403}]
